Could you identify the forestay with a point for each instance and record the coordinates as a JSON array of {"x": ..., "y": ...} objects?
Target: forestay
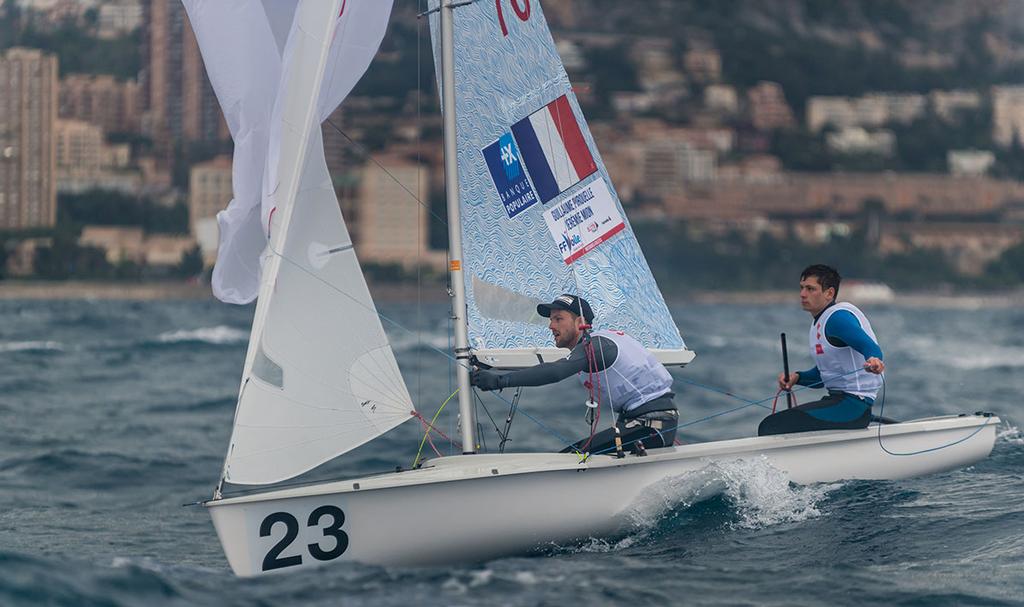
[
  {"x": 320, "y": 377},
  {"x": 539, "y": 213}
]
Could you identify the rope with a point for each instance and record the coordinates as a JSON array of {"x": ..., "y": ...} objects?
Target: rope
[
  {"x": 497, "y": 430},
  {"x": 508, "y": 420},
  {"x": 366, "y": 153},
  {"x": 593, "y": 385},
  {"x": 426, "y": 434},
  {"x": 724, "y": 391},
  {"x": 881, "y": 412}
]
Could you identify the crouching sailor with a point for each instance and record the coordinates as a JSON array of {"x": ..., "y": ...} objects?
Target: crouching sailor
[
  {"x": 611, "y": 366},
  {"x": 849, "y": 362}
]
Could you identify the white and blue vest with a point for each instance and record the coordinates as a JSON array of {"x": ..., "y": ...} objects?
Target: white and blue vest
[
  {"x": 635, "y": 378},
  {"x": 837, "y": 364}
]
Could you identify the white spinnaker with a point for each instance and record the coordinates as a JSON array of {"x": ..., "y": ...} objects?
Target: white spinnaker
[
  {"x": 243, "y": 62},
  {"x": 320, "y": 378},
  {"x": 242, "y": 42}
]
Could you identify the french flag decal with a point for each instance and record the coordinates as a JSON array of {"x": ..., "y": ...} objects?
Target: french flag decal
[{"x": 553, "y": 149}]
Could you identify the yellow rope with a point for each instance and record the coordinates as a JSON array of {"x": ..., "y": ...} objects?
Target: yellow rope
[{"x": 427, "y": 432}]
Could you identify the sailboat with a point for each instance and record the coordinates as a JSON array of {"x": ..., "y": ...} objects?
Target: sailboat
[{"x": 532, "y": 211}]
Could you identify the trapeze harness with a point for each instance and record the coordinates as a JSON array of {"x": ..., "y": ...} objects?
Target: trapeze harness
[
  {"x": 850, "y": 394},
  {"x": 639, "y": 389}
]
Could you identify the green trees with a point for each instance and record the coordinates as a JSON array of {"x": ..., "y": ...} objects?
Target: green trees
[
  {"x": 103, "y": 207},
  {"x": 77, "y": 49}
]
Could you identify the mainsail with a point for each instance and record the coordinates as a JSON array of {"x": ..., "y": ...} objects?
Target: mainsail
[
  {"x": 539, "y": 213},
  {"x": 320, "y": 378}
]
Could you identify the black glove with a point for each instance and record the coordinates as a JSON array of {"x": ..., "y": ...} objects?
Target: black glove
[{"x": 486, "y": 380}]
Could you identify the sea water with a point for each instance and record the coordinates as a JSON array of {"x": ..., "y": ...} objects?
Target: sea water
[{"x": 114, "y": 414}]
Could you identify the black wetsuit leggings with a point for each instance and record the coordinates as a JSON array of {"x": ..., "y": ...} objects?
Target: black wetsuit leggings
[
  {"x": 837, "y": 411},
  {"x": 603, "y": 442}
]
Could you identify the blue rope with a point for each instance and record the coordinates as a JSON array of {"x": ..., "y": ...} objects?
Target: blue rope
[
  {"x": 881, "y": 411},
  {"x": 723, "y": 391}
]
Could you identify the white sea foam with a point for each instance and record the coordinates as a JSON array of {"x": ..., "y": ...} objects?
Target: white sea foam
[
  {"x": 600, "y": 545},
  {"x": 526, "y": 578},
  {"x": 764, "y": 496},
  {"x": 761, "y": 494},
  {"x": 147, "y": 563},
  {"x": 1008, "y": 433},
  {"x": 454, "y": 586},
  {"x": 219, "y": 335},
  {"x": 716, "y": 341},
  {"x": 480, "y": 577},
  {"x": 970, "y": 356},
  {"x": 31, "y": 346}
]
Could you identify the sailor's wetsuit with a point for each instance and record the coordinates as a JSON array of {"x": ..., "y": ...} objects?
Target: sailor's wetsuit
[
  {"x": 622, "y": 372},
  {"x": 841, "y": 339}
]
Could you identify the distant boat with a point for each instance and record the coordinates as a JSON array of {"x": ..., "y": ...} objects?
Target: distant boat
[
  {"x": 866, "y": 292},
  {"x": 537, "y": 215}
]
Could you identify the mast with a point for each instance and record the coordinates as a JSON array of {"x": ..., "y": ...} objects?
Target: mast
[{"x": 451, "y": 178}]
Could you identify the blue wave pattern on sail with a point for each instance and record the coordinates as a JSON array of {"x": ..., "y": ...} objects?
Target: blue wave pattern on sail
[{"x": 507, "y": 85}]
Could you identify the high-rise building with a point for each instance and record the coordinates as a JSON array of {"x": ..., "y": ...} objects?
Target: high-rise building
[
  {"x": 178, "y": 101},
  {"x": 101, "y": 100},
  {"x": 768, "y": 107},
  {"x": 1008, "y": 115},
  {"x": 28, "y": 114},
  {"x": 119, "y": 17},
  {"x": 79, "y": 148},
  {"x": 209, "y": 192},
  {"x": 391, "y": 226},
  {"x": 209, "y": 189}
]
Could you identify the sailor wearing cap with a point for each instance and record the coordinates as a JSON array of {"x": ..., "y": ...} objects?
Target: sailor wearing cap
[{"x": 613, "y": 366}]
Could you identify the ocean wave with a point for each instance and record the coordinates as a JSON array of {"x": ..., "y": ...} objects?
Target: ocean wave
[
  {"x": 764, "y": 496},
  {"x": 81, "y": 469},
  {"x": 32, "y": 580},
  {"x": 978, "y": 357},
  {"x": 757, "y": 494},
  {"x": 761, "y": 494},
  {"x": 425, "y": 341},
  {"x": 969, "y": 356},
  {"x": 210, "y": 404},
  {"x": 219, "y": 335},
  {"x": 1008, "y": 433},
  {"x": 31, "y": 346}
]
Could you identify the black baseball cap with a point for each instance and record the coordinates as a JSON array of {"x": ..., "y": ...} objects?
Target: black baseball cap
[{"x": 569, "y": 303}]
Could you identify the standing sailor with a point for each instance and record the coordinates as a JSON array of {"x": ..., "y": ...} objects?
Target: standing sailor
[
  {"x": 613, "y": 367},
  {"x": 849, "y": 362}
]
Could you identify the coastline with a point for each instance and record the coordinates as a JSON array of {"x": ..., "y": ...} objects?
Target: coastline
[
  {"x": 176, "y": 290},
  {"x": 99, "y": 290},
  {"x": 435, "y": 293}
]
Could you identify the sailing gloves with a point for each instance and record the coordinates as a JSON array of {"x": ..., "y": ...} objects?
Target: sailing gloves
[{"x": 486, "y": 380}]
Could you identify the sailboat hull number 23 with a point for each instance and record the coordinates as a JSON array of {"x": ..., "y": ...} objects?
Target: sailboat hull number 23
[{"x": 321, "y": 552}]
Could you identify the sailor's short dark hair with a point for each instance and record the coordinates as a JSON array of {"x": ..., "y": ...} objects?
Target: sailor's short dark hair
[{"x": 828, "y": 277}]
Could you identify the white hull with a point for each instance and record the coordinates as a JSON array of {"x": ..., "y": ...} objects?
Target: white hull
[{"x": 473, "y": 508}]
